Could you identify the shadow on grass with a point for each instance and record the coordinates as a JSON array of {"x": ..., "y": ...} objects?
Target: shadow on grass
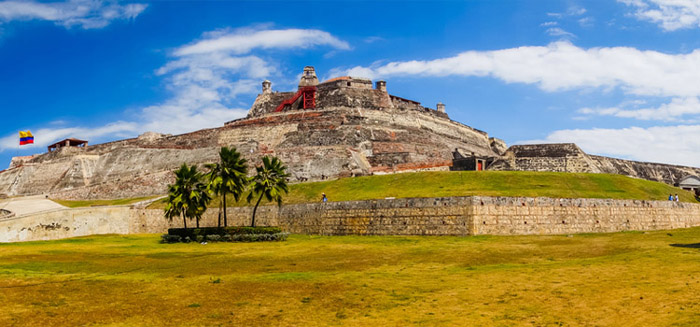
[{"x": 692, "y": 245}]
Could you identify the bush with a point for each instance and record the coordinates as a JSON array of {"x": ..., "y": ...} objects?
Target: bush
[
  {"x": 166, "y": 238},
  {"x": 193, "y": 232},
  {"x": 225, "y": 234}
]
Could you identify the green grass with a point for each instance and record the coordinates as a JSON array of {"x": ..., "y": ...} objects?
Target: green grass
[
  {"x": 92, "y": 203},
  {"x": 486, "y": 183},
  {"x": 620, "y": 279}
]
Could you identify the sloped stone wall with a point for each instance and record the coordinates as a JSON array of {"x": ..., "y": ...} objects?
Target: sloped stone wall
[
  {"x": 460, "y": 216},
  {"x": 567, "y": 157},
  {"x": 65, "y": 223}
]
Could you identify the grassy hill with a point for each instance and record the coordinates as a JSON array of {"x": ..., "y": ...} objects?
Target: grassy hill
[{"x": 486, "y": 183}]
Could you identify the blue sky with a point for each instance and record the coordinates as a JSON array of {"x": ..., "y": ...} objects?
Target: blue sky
[{"x": 619, "y": 78}]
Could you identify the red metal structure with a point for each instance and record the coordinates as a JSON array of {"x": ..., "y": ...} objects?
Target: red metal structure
[{"x": 308, "y": 94}]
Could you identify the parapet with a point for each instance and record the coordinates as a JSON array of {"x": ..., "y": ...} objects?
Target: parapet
[
  {"x": 338, "y": 92},
  {"x": 347, "y": 82},
  {"x": 552, "y": 150}
]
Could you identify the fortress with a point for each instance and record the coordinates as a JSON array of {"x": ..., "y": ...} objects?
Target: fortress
[{"x": 342, "y": 127}]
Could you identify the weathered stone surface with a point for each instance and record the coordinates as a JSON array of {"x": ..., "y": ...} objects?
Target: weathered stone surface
[
  {"x": 567, "y": 157},
  {"x": 411, "y": 216},
  {"x": 353, "y": 130}
]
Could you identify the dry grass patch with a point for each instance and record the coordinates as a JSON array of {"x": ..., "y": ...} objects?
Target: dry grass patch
[
  {"x": 621, "y": 279},
  {"x": 94, "y": 203}
]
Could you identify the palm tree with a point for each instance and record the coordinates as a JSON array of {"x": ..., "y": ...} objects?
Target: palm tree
[
  {"x": 228, "y": 176},
  {"x": 269, "y": 181},
  {"x": 188, "y": 196}
]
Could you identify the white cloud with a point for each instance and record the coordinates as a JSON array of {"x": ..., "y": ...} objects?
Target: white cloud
[
  {"x": 670, "y": 15},
  {"x": 205, "y": 86},
  {"x": 86, "y": 14},
  {"x": 576, "y": 11},
  {"x": 571, "y": 11},
  {"x": 586, "y": 21},
  {"x": 675, "y": 111},
  {"x": 561, "y": 66},
  {"x": 672, "y": 144},
  {"x": 243, "y": 41},
  {"x": 558, "y": 31},
  {"x": 550, "y": 23}
]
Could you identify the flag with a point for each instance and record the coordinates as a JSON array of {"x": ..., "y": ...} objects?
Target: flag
[{"x": 26, "y": 138}]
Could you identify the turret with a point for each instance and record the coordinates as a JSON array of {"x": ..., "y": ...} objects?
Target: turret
[
  {"x": 266, "y": 87},
  {"x": 308, "y": 78},
  {"x": 381, "y": 86},
  {"x": 440, "y": 107}
]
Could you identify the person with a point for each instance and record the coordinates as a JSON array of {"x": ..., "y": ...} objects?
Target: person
[
  {"x": 670, "y": 197},
  {"x": 676, "y": 197},
  {"x": 324, "y": 198}
]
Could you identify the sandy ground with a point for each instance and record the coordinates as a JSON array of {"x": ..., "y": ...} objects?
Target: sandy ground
[{"x": 29, "y": 204}]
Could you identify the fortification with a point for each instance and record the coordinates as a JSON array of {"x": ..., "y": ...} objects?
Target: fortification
[
  {"x": 410, "y": 216},
  {"x": 567, "y": 157},
  {"x": 336, "y": 128}
]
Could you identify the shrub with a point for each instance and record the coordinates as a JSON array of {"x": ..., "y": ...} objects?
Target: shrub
[
  {"x": 225, "y": 234},
  {"x": 166, "y": 238},
  {"x": 193, "y": 232}
]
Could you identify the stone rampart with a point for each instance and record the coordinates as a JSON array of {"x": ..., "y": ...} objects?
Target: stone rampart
[
  {"x": 410, "y": 216},
  {"x": 567, "y": 157},
  {"x": 540, "y": 216},
  {"x": 56, "y": 224}
]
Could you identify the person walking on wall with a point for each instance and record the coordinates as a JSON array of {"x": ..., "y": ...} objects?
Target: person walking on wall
[
  {"x": 676, "y": 197},
  {"x": 670, "y": 197},
  {"x": 324, "y": 198}
]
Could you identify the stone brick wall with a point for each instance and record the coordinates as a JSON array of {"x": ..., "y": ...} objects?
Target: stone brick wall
[
  {"x": 411, "y": 216},
  {"x": 524, "y": 216},
  {"x": 458, "y": 216}
]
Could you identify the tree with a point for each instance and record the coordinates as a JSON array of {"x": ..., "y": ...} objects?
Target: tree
[
  {"x": 228, "y": 176},
  {"x": 269, "y": 181},
  {"x": 188, "y": 196}
]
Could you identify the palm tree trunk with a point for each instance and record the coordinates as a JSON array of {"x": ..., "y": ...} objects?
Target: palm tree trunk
[
  {"x": 256, "y": 209},
  {"x": 184, "y": 220},
  {"x": 218, "y": 225},
  {"x": 197, "y": 219},
  {"x": 224, "y": 204}
]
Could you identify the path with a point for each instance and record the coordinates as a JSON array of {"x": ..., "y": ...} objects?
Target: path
[{"x": 29, "y": 204}]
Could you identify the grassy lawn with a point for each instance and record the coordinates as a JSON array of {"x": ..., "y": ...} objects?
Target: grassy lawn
[
  {"x": 487, "y": 183},
  {"x": 621, "y": 279},
  {"x": 92, "y": 203}
]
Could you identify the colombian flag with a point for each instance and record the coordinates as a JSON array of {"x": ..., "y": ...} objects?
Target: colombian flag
[{"x": 26, "y": 138}]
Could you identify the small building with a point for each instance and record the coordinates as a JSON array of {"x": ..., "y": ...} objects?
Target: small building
[
  {"x": 68, "y": 142},
  {"x": 471, "y": 161},
  {"x": 690, "y": 183}
]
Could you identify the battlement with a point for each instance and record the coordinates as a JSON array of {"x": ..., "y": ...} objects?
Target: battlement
[{"x": 339, "y": 92}]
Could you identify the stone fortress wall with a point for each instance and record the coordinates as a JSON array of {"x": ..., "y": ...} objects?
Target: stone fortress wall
[
  {"x": 460, "y": 216},
  {"x": 354, "y": 129},
  {"x": 567, "y": 157}
]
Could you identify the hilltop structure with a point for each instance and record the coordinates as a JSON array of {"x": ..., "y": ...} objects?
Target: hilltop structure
[{"x": 341, "y": 127}]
